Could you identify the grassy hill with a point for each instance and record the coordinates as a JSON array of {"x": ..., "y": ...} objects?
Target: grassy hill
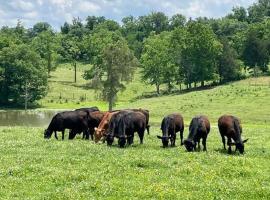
[{"x": 34, "y": 168}]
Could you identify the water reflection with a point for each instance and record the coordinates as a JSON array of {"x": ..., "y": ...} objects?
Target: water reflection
[{"x": 28, "y": 118}]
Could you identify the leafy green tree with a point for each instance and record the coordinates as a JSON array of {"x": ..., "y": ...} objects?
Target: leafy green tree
[
  {"x": 229, "y": 67},
  {"x": 113, "y": 64},
  {"x": 157, "y": 63},
  {"x": 256, "y": 47},
  {"x": 72, "y": 51},
  {"x": 46, "y": 44},
  {"x": 259, "y": 11},
  {"x": 39, "y": 28},
  {"x": 92, "y": 21},
  {"x": 239, "y": 13},
  {"x": 177, "y": 21},
  {"x": 177, "y": 45},
  {"x": 22, "y": 75},
  {"x": 200, "y": 54}
]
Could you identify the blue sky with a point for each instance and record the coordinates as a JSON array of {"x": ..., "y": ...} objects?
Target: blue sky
[{"x": 56, "y": 12}]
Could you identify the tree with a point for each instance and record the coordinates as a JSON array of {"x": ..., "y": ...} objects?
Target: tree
[
  {"x": 177, "y": 45},
  {"x": 72, "y": 51},
  {"x": 92, "y": 21},
  {"x": 113, "y": 64},
  {"x": 228, "y": 65},
  {"x": 46, "y": 44},
  {"x": 22, "y": 75},
  {"x": 157, "y": 64},
  {"x": 201, "y": 52},
  {"x": 256, "y": 47},
  {"x": 239, "y": 13},
  {"x": 39, "y": 28},
  {"x": 259, "y": 11},
  {"x": 177, "y": 21}
]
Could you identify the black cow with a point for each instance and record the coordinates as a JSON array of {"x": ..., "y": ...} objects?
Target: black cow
[
  {"x": 170, "y": 125},
  {"x": 198, "y": 129},
  {"x": 125, "y": 125},
  {"x": 75, "y": 120},
  {"x": 113, "y": 126},
  {"x": 230, "y": 126},
  {"x": 94, "y": 119},
  {"x": 144, "y": 111}
]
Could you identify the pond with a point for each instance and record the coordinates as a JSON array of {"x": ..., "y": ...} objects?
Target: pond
[{"x": 31, "y": 118}]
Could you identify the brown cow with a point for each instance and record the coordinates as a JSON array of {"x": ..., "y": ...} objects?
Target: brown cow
[
  {"x": 100, "y": 131},
  {"x": 170, "y": 125},
  {"x": 199, "y": 128},
  {"x": 230, "y": 126}
]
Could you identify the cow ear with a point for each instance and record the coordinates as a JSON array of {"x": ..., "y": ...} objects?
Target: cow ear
[
  {"x": 159, "y": 137},
  {"x": 245, "y": 140}
]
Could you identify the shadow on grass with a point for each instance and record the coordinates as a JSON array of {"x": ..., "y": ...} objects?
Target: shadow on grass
[
  {"x": 148, "y": 95},
  {"x": 225, "y": 152}
]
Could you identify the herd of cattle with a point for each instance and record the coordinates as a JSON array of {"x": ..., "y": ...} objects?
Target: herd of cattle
[{"x": 122, "y": 124}]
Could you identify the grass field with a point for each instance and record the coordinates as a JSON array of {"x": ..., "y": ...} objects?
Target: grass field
[{"x": 34, "y": 168}]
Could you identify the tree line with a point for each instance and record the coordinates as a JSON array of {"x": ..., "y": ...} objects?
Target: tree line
[{"x": 172, "y": 51}]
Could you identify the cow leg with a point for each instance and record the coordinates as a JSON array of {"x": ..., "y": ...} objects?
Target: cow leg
[
  {"x": 141, "y": 135},
  {"x": 204, "y": 144},
  {"x": 87, "y": 134},
  {"x": 147, "y": 128},
  {"x": 223, "y": 141},
  {"x": 91, "y": 132},
  {"x": 229, "y": 143},
  {"x": 173, "y": 137},
  {"x": 55, "y": 135},
  {"x": 181, "y": 137},
  {"x": 72, "y": 134},
  {"x": 199, "y": 145},
  {"x": 63, "y": 134}
]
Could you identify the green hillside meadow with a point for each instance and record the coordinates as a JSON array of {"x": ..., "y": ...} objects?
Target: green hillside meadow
[{"x": 34, "y": 168}]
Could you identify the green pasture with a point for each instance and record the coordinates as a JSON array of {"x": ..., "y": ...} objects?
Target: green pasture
[{"x": 34, "y": 168}]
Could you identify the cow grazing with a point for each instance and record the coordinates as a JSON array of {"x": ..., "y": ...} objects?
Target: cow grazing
[
  {"x": 123, "y": 126},
  {"x": 143, "y": 111},
  {"x": 170, "y": 125},
  {"x": 113, "y": 126},
  {"x": 101, "y": 130},
  {"x": 75, "y": 120},
  {"x": 198, "y": 129},
  {"x": 230, "y": 126},
  {"x": 93, "y": 121}
]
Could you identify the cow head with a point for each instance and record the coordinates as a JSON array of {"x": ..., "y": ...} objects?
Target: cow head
[
  {"x": 109, "y": 139},
  {"x": 189, "y": 144},
  {"x": 47, "y": 134},
  {"x": 165, "y": 140},
  {"x": 240, "y": 146},
  {"x": 99, "y": 133}
]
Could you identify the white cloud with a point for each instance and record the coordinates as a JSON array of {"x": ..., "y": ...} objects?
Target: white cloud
[
  {"x": 86, "y": 6},
  {"x": 22, "y": 5}
]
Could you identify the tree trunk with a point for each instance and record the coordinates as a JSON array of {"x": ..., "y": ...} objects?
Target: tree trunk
[
  {"x": 157, "y": 87},
  {"x": 49, "y": 64},
  {"x": 111, "y": 101},
  {"x": 75, "y": 70},
  {"x": 195, "y": 84},
  {"x": 25, "y": 97},
  {"x": 189, "y": 86},
  {"x": 180, "y": 86},
  {"x": 202, "y": 83}
]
